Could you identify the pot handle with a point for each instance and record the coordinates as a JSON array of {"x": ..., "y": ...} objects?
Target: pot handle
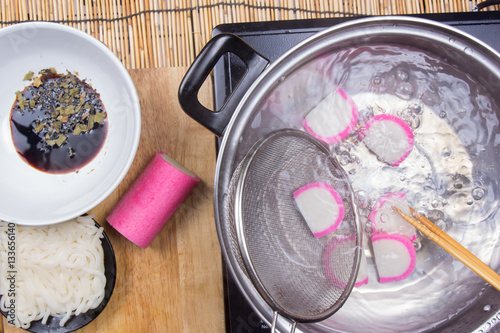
[
  {"x": 485, "y": 4},
  {"x": 216, "y": 121}
]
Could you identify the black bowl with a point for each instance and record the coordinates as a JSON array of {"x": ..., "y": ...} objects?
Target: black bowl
[{"x": 76, "y": 322}]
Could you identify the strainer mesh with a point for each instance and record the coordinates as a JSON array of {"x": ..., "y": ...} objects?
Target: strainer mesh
[{"x": 303, "y": 277}]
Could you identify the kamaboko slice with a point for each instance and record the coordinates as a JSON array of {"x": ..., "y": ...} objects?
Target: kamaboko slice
[
  {"x": 333, "y": 119},
  {"x": 385, "y": 219},
  {"x": 321, "y": 207},
  {"x": 389, "y": 137},
  {"x": 337, "y": 248},
  {"x": 395, "y": 256},
  {"x": 362, "y": 278}
]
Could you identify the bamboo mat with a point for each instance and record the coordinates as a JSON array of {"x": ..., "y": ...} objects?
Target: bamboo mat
[{"x": 168, "y": 33}]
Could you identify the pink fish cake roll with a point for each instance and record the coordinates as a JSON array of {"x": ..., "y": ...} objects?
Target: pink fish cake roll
[
  {"x": 333, "y": 119},
  {"x": 152, "y": 199},
  {"x": 321, "y": 207},
  {"x": 395, "y": 256},
  {"x": 388, "y": 137},
  {"x": 384, "y": 219}
]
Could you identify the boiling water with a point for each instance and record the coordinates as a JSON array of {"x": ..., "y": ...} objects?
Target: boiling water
[{"x": 451, "y": 175}]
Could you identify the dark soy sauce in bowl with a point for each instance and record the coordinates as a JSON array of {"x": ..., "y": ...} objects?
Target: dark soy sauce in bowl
[{"x": 58, "y": 123}]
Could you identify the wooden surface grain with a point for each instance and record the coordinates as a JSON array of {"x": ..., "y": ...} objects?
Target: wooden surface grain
[{"x": 175, "y": 285}]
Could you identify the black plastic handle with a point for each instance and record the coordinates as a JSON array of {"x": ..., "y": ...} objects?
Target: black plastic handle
[
  {"x": 485, "y": 4},
  {"x": 216, "y": 121}
]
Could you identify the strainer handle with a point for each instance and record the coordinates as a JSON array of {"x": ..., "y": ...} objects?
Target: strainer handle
[
  {"x": 275, "y": 322},
  {"x": 205, "y": 62}
]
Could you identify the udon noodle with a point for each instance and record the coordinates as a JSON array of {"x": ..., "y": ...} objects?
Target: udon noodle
[{"x": 59, "y": 270}]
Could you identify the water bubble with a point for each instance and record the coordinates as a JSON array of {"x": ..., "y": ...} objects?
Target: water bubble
[
  {"x": 402, "y": 178},
  {"x": 442, "y": 114},
  {"x": 377, "y": 80},
  {"x": 478, "y": 193},
  {"x": 436, "y": 215},
  {"x": 281, "y": 79},
  {"x": 417, "y": 109},
  {"x": 415, "y": 123},
  {"x": 405, "y": 114},
  {"x": 434, "y": 203},
  {"x": 362, "y": 199},
  {"x": 487, "y": 308},
  {"x": 379, "y": 84},
  {"x": 402, "y": 74},
  {"x": 383, "y": 218},
  {"x": 470, "y": 202},
  {"x": 444, "y": 202},
  {"x": 417, "y": 244},
  {"x": 440, "y": 223},
  {"x": 345, "y": 158},
  {"x": 342, "y": 148},
  {"x": 409, "y": 116},
  {"x": 468, "y": 51},
  {"x": 458, "y": 185},
  {"x": 404, "y": 91},
  {"x": 446, "y": 152},
  {"x": 352, "y": 172},
  {"x": 409, "y": 113},
  {"x": 451, "y": 40}
]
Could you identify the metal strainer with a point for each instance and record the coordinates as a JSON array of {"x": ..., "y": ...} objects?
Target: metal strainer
[{"x": 302, "y": 278}]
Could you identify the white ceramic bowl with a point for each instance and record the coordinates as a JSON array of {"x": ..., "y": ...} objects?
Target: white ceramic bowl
[{"x": 32, "y": 197}]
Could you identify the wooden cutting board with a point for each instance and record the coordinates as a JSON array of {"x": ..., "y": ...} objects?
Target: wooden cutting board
[{"x": 175, "y": 285}]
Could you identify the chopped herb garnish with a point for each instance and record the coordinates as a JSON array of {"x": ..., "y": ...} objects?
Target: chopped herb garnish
[
  {"x": 99, "y": 117},
  {"x": 69, "y": 106},
  {"x": 80, "y": 128},
  {"x": 38, "y": 82},
  {"x": 28, "y": 76},
  {"x": 39, "y": 127}
]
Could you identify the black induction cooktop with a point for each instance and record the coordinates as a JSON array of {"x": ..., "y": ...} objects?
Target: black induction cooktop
[{"x": 271, "y": 39}]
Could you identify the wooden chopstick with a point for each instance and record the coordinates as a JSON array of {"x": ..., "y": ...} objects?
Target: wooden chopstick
[
  {"x": 451, "y": 246},
  {"x": 440, "y": 233}
]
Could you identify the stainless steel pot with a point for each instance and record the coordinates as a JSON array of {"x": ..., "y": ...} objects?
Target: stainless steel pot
[{"x": 450, "y": 83}]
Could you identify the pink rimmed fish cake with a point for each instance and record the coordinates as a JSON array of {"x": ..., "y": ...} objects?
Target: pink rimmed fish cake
[
  {"x": 388, "y": 137},
  {"x": 340, "y": 247},
  {"x": 321, "y": 207},
  {"x": 395, "y": 256},
  {"x": 384, "y": 219},
  {"x": 333, "y": 119}
]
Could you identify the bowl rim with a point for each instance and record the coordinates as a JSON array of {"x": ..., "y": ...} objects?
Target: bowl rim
[{"x": 135, "y": 111}]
